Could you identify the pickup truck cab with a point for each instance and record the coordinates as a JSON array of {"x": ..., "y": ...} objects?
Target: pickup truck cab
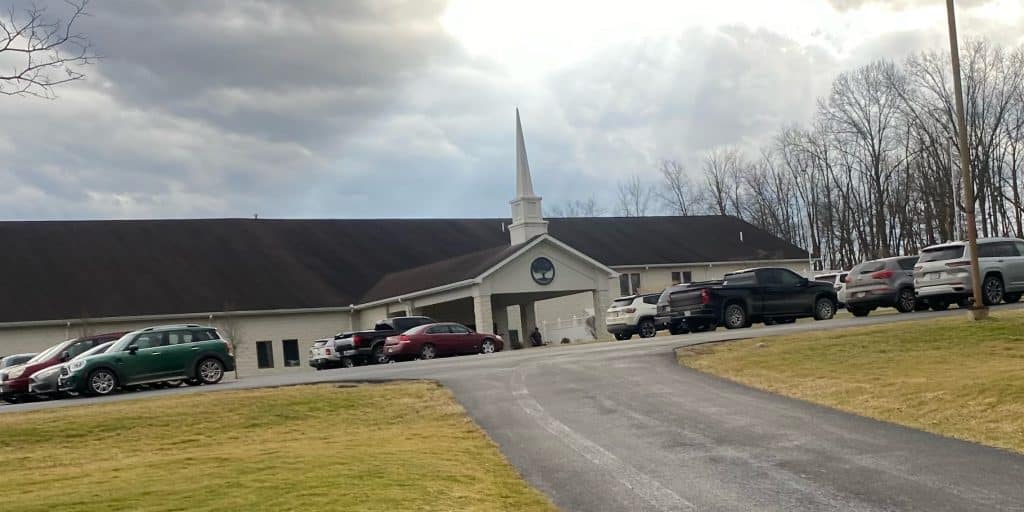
[{"x": 770, "y": 295}]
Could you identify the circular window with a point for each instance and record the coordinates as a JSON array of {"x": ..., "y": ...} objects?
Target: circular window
[{"x": 542, "y": 270}]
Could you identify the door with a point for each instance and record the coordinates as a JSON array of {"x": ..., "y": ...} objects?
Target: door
[
  {"x": 772, "y": 294},
  {"x": 179, "y": 354},
  {"x": 437, "y": 335},
  {"x": 147, "y": 361},
  {"x": 1018, "y": 265},
  {"x": 463, "y": 340}
]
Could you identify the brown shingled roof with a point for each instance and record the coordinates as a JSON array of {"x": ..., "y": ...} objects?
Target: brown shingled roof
[{"x": 53, "y": 270}]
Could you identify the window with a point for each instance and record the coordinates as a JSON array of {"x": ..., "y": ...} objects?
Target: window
[
  {"x": 651, "y": 299},
  {"x": 742, "y": 278},
  {"x": 264, "y": 354},
  {"x": 179, "y": 337},
  {"x": 787, "y": 278},
  {"x": 997, "y": 250},
  {"x": 682, "y": 277},
  {"x": 149, "y": 340},
  {"x": 948, "y": 252},
  {"x": 908, "y": 263},
  {"x": 437, "y": 329},
  {"x": 78, "y": 348},
  {"x": 291, "y": 352},
  {"x": 458, "y": 329},
  {"x": 629, "y": 284},
  {"x": 1020, "y": 248}
]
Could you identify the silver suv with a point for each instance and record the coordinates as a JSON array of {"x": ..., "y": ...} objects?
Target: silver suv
[
  {"x": 943, "y": 274},
  {"x": 887, "y": 282}
]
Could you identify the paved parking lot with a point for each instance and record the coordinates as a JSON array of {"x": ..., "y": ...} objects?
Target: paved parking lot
[{"x": 620, "y": 426}]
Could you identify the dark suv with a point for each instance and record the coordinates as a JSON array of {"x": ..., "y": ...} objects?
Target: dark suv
[{"x": 193, "y": 353}]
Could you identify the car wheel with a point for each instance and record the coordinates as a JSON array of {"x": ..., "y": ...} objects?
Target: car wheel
[
  {"x": 647, "y": 329},
  {"x": 1010, "y": 298},
  {"x": 346, "y": 362},
  {"x": 210, "y": 371},
  {"x": 487, "y": 346},
  {"x": 101, "y": 382},
  {"x": 735, "y": 316},
  {"x": 428, "y": 352},
  {"x": 906, "y": 300},
  {"x": 379, "y": 357},
  {"x": 938, "y": 304},
  {"x": 858, "y": 311},
  {"x": 992, "y": 290},
  {"x": 824, "y": 309}
]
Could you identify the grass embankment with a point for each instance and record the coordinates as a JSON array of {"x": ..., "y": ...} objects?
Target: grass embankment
[
  {"x": 952, "y": 377},
  {"x": 373, "y": 447}
]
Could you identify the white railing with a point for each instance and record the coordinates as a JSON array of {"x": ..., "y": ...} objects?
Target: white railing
[{"x": 574, "y": 328}]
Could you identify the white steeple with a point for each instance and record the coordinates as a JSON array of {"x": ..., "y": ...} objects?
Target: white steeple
[{"x": 527, "y": 218}]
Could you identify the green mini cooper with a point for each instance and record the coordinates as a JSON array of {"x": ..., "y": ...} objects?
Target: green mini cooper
[{"x": 192, "y": 353}]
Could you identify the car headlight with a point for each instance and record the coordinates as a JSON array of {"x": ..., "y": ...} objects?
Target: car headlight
[
  {"x": 14, "y": 374},
  {"x": 76, "y": 365}
]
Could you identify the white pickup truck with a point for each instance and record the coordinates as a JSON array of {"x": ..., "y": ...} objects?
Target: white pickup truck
[
  {"x": 633, "y": 314},
  {"x": 337, "y": 352}
]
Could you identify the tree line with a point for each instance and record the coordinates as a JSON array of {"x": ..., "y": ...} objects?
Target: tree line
[{"x": 875, "y": 172}]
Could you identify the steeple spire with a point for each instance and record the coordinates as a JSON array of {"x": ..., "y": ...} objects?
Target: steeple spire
[
  {"x": 527, "y": 219},
  {"x": 524, "y": 182}
]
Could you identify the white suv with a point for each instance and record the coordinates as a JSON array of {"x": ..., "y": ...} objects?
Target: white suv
[
  {"x": 633, "y": 314},
  {"x": 943, "y": 273}
]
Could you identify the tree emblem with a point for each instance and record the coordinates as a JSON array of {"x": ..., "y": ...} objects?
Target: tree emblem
[{"x": 542, "y": 270}]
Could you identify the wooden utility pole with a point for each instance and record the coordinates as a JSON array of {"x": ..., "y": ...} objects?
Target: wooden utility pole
[{"x": 978, "y": 310}]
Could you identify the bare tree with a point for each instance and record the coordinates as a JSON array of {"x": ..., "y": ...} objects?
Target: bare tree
[
  {"x": 722, "y": 169},
  {"x": 634, "y": 197},
  {"x": 578, "y": 208},
  {"x": 42, "y": 51},
  {"x": 230, "y": 329},
  {"x": 678, "y": 193}
]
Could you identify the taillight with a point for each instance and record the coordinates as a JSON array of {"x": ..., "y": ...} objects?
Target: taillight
[
  {"x": 403, "y": 338},
  {"x": 231, "y": 350},
  {"x": 918, "y": 267},
  {"x": 882, "y": 274},
  {"x": 849, "y": 278},
  {"x": 357, "y": 340},
  {"x": 958, "y": 264},
  {"x": 705, "y": 297},
  {"x": 630, "y": 310},
  {"x": 327, "y": 351}
]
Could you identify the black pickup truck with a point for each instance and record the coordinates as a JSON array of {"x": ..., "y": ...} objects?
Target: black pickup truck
[
  {"x": 769, "y": 295},
  {"x": 369, "y": 345}
]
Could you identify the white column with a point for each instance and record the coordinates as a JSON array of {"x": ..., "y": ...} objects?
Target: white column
[
  {"x": 528, "y": 319},
  {"x": 482, "y": 316},
  {"x": 601, "y": 304}
]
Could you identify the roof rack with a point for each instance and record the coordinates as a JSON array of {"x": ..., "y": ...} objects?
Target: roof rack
[{"x": 170, "y": 326}]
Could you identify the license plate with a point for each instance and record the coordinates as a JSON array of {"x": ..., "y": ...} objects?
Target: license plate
[
  {"x": 390, "y": 350},
  {"x": 932, "y": 276},
  {"x": 687, "y": 313}
]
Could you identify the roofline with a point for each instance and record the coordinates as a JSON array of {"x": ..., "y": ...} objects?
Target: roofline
[
  {"x": 712, "y": 263},
  {"x": 173, "y": 316},
  {"x": 417, "y": 293},
  {"x": 533, "y": 243}
]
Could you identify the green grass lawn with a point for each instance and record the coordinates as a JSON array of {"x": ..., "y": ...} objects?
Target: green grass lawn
[
  {"x": 373, "y": 447},
  {"x": 952, "y": 377}
]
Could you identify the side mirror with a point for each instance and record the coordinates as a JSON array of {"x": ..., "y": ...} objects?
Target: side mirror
[
  {"x": 132, "y": 349},
  {"x": 65, "y": 356}
]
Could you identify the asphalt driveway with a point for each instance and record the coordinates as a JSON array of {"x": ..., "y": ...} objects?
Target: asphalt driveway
[{"x": 620, "y": 426}]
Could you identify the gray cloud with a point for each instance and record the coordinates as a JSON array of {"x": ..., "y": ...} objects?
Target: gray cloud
[{"x": 846, "y": 5}]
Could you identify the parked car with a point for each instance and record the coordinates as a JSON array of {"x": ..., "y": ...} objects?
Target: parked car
[
  {"x": 14, "y": 386},
  {"x": 771, "y": 295},
  {"x": 15, "y": 360},
  {"x": 888, "y": 282},
  {"x": 336, "y": 352},
  {"x": 943, "y": 272},
  {"x": 44, "y": 382},
  {"x": 369, "y": 345},
  {"x": 191, "y": 353},
  {"x": 439, "y": 339},
  {"x": 838, "y": 280},
  {"x": 633, "y": 314}
]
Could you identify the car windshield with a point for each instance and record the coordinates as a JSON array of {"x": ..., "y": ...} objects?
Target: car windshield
[
  {"x": 98, "y": 349},
  {"x": 122, "y": 343},
  {"x": 15, "y": 360},
  {"x": 869, "y": 266},
  {"x": 625, "y": 301},
  {"x": 48, "y": 353},
  {"x": 948, "y": 252}
]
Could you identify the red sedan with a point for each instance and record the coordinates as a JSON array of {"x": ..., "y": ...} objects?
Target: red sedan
[{"x": 432, "y": 340}]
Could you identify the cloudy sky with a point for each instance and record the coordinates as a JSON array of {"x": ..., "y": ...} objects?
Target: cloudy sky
[{"x": 381, "y": 108}]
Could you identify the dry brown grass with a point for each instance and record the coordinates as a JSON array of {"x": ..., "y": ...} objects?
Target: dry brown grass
[
  {"x": 951, "y": 377},
  {"x": 373, "y": 447}
]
